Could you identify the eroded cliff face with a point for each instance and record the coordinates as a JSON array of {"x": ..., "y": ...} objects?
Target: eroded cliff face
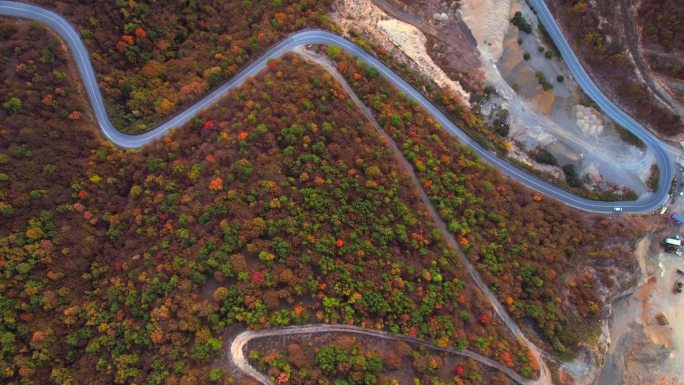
[{"x": 428, "y": 35}]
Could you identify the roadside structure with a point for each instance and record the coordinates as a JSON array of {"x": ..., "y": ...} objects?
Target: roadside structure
[{"x": 678, "y": 218}]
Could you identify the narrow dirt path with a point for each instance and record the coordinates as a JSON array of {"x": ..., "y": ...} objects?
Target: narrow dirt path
[
  {"x": 237, "y": 354},
  {"x": 670, "y": 55},
  {"x": 544, "y": 374}
]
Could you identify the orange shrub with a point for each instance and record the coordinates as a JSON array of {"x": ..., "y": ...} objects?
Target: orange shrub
[
  {"x": 128, "y": 39},
  {"x": 216, "y": 184},
  {"x": 140, "y": 32}
]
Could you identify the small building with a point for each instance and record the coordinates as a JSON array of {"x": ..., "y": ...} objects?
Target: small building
[{"x": 679, "y": 218}]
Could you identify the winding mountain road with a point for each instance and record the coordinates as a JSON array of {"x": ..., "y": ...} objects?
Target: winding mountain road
[
  {"x": 237, "y": 348},
  {"x": 665, "y": 163},
  {"x": 306, "y": 37},
  {"x": 647, "y": 203}
]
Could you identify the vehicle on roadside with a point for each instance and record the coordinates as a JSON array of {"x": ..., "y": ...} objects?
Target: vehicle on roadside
[{"x": 674, "y": 241}]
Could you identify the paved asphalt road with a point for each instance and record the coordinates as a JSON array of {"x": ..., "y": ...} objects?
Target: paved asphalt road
[
  {"x": 665, "y": 163},
  {"x": 647, "y": 203}
]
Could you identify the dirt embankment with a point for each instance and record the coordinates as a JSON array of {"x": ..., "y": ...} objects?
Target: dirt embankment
[
  {"x": 402, "y": 39},
  {"x": 484, "y": 19},
  {"x": 413, "y": 43},
  {"x": 422, "y": 33}
]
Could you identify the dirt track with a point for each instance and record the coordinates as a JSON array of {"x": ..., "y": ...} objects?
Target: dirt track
[
  {"x": 236, "y": 350},
  {"x": 237, "y": 354}
]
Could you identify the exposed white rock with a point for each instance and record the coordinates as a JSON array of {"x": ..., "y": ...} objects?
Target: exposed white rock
[
  {"x": 589, "y": 120},
  {"x": 412, "y": 42}
]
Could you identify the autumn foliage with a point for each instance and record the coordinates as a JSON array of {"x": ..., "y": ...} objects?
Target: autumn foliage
[
  {"x": 206, "y": 229},
  {"x": 183, "y": 41},
  {"x": 216, "y": 184}
]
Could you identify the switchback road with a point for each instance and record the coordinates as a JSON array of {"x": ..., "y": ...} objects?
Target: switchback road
[
  {"x": 665, "y": 163},
  {"x": 647, "y": 203}
]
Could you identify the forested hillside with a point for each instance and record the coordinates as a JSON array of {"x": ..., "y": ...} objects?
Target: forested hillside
[
  {"x": 155, "y": 57},
  {"x": 532, "y": 251},
  {"x": 663, "y": 36},
  {"x": 662, "y": 23},
  {"x": 279, "y": 206},
  {"x": 350, "y": 359}
]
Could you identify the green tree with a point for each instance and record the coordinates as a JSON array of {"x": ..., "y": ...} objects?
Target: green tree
[{"x": 13, "y": 105}]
